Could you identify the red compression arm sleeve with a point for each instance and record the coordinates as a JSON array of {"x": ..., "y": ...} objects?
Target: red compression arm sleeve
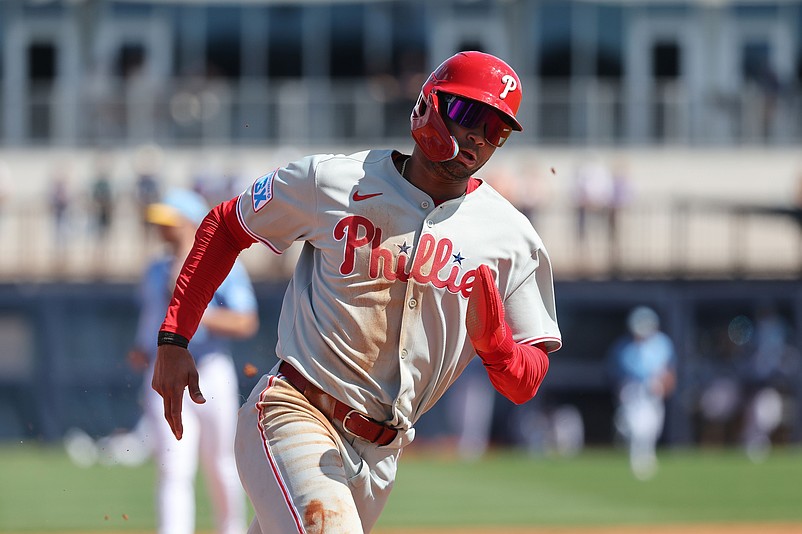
[
  {"x": 515, "y": 370},
  {"x": 219, "y": 240}
]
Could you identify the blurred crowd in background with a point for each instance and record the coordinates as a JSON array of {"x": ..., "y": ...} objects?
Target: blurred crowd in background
[{"x": 606, "y": 213}]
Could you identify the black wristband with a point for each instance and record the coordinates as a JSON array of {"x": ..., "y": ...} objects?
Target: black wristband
[{"x": 171, "y": 338}]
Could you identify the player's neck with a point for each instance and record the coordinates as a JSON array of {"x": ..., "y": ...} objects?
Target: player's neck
[{"x": 427, "y": 179}]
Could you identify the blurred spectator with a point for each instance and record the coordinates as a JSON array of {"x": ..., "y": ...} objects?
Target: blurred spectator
[
  {"x": 750, "y": 391},
  {"x": 621, "y": 198},
  {"x": 594, "y": 191},
  {"x": 642, "y": 365},
  {"x": 147, "y": 165},
  {"x": 719, "y": 372},
  {"x": 601, "y": 192},
  {"x": 59, "y": 203},
  {"x": 59, "y": 209},
  {"x": 102, "y": 196},
  {"x": 102, "y": 200},
  {"x": 768, "y": 378}
]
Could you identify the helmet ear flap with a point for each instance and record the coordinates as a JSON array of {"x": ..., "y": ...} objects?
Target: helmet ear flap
[{"x": 429, "y": 130}]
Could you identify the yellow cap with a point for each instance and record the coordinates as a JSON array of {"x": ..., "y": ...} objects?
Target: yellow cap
[
  {"x": 176, "y": 205},
  {"x": 163, "y": 215}
]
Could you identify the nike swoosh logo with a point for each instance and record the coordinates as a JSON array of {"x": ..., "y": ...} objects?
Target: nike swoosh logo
[{"x": 357, "y": 197}]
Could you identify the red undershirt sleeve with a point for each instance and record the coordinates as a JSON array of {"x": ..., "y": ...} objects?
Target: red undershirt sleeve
[
  {"x": 218, "y": 242},
  {"x": 516, "y": 370}
]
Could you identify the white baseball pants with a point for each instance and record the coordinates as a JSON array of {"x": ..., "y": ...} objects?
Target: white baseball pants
[
  {"x": 208, "y": 436},
  {"x": 302, "y": 472}
]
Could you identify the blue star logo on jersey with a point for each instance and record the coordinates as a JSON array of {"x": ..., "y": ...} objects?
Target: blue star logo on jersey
[
  {"x": 404, "y": 249},
  {"x": 262, "y": 191},
  {"x": 458, "y": 257}
]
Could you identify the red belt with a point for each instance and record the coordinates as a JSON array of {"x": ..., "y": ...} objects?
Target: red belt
[{"x": 352, "y": 421}]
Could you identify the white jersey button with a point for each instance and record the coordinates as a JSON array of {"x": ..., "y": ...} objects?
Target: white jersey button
[
  {"x": 403, "y": 353},
  {"x": 413, "y": 303},
  {"x": 424, "y": 204},
  {"x": 430, "y": 223}
]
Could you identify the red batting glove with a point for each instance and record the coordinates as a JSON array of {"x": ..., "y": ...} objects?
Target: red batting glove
[{"x": 489, "y": 333}]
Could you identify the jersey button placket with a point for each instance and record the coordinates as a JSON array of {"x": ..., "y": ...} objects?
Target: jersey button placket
[{"x": 409, "y": 351}]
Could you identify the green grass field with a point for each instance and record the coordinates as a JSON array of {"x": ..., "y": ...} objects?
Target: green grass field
[{"x": 42, "y": 491}]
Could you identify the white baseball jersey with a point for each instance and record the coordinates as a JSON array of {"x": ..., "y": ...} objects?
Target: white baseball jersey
[{"x": 375, "y": 312}]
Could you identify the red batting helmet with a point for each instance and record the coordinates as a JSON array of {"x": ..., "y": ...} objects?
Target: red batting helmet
[{"x": 473, "y": 75}]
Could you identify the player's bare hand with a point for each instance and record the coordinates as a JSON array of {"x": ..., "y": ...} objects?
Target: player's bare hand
[
  {"x": 485, "y": 315},
  {"x": 175, "y": 370}
]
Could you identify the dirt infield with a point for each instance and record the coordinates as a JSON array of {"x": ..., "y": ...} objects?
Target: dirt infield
[
  {"x": 689, "y": 528},
  {"x": 770, "y": 528}
]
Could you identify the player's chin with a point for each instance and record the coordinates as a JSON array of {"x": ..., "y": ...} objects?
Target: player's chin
[
  {"x": 458, "y": 175},
  {"x": 458, "y": 170}
]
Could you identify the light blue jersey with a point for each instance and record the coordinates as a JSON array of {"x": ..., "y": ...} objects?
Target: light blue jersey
[
  {"x": 235, "y": 293},
  {"x": 642, "y": 360}
]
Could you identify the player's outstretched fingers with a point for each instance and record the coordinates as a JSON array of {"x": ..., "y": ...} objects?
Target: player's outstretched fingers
[
  {"x": 194, "y": 388},
  {"x": 485, "y": 315},
  {"x": 172, "y": 412},
  {"x": 175, "y": 370}
]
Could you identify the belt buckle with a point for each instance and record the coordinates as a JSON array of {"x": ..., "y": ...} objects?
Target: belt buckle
[{"x": 346, "y": 417}]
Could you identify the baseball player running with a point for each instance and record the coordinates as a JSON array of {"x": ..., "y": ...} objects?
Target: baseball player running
[{"x": 410, "y": 268}]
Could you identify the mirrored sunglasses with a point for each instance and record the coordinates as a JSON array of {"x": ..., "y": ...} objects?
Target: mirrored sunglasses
[{"x": 470, "y": 114}]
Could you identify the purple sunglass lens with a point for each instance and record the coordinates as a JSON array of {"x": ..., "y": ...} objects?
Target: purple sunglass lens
[
  {"x": 466, "y": 113},
  {"x": 469, "y": 114}
]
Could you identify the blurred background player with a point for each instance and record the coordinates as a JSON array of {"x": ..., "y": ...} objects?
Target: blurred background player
[
  {"x": 643, "y": 371},
  {"x": 209, "y": 428},
  {"x": 768, "y": 382},
  {"x": 472, "y": 400}
]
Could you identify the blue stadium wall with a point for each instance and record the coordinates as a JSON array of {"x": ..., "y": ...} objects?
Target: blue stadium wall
[{"x": 67, "y": 366}]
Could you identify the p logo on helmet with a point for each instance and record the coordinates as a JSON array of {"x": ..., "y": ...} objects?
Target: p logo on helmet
[
  {"x": 472, "y": 75},
  {"x": 510, "y": 84}
]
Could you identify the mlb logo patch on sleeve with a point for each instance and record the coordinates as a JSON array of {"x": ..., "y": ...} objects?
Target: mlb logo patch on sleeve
[{"x": 263, "y": 191}]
